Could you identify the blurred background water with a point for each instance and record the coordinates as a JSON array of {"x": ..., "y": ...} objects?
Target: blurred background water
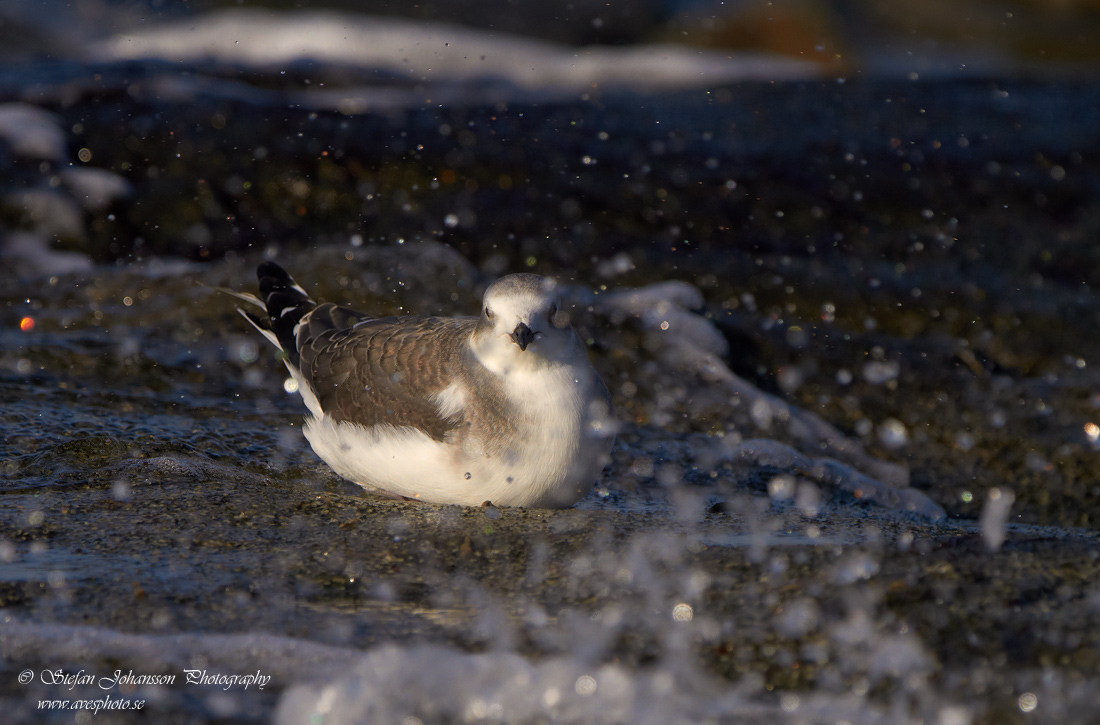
[{"x": 835, "y": 260}]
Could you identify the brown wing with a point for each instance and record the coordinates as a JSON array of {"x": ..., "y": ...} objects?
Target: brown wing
[{"x": 381, "y": 370}]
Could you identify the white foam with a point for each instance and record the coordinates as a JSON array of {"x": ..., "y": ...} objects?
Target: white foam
[
  {"x": 95, "y": 189},
  {"x": 438, "y": 53},
  {"x": 433, "y": 683},
  {"x": 31, "y": 132},
  {"x": 32, "y": 255},
  {"x": 52, "y": 213},
  {"x": 439, "y": 684},
  {"x": 689, "y": 344}
]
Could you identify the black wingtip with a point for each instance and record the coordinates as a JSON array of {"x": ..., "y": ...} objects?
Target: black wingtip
[
  {"x": 274, "y": 278},
  {"x": 268, "y": 268},
  {"x": 286, "y": 303}
]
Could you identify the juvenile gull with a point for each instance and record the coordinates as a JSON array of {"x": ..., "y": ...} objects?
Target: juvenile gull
[{"x": 504, "y": 407}]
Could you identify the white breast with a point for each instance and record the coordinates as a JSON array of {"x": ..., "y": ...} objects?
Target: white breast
[
  {"x": 551, "y": 456},
  {"x": 552, "y": 460}
]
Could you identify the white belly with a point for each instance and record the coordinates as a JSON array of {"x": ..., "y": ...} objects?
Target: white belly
[{"x": 552, "y": 460}]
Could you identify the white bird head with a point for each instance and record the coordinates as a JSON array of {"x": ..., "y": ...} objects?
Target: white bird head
[{"x": 522, "y": 324}]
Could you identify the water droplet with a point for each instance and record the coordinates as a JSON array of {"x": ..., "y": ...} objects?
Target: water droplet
[
  {"x": 808, "y": 500},
  {"x": 790, "y": 378},
  {"x": 892, "y": 433},
  {"x": 1037, "y": 462},
  {"x": 586, "y": 685},
  {"x": 878, "y": 372},
  {"x": 781, "y": 488},
  {"x": 120, "y": 490},
  {"x": 682, "y": 612},
  {"x": 994, "y": 516},
  {"x": 248, "y": 352},
  {"x": 797, "y": 337}
]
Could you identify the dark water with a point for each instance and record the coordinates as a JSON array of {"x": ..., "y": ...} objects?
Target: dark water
[{"x": 896, "y": 276}]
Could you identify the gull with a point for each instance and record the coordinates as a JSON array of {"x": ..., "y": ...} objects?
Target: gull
[{"x": 503, "y": 408}]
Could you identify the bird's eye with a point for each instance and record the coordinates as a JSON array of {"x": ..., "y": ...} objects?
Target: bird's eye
[{"x": 488, "y": 314}]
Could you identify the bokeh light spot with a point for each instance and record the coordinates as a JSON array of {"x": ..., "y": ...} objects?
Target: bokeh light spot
[
  {"x": 586, "y": 685},
  {"x": 682, "y": 612}
]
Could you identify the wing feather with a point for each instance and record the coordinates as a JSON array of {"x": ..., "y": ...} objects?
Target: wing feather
[{"x": 382, "y": 371}]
